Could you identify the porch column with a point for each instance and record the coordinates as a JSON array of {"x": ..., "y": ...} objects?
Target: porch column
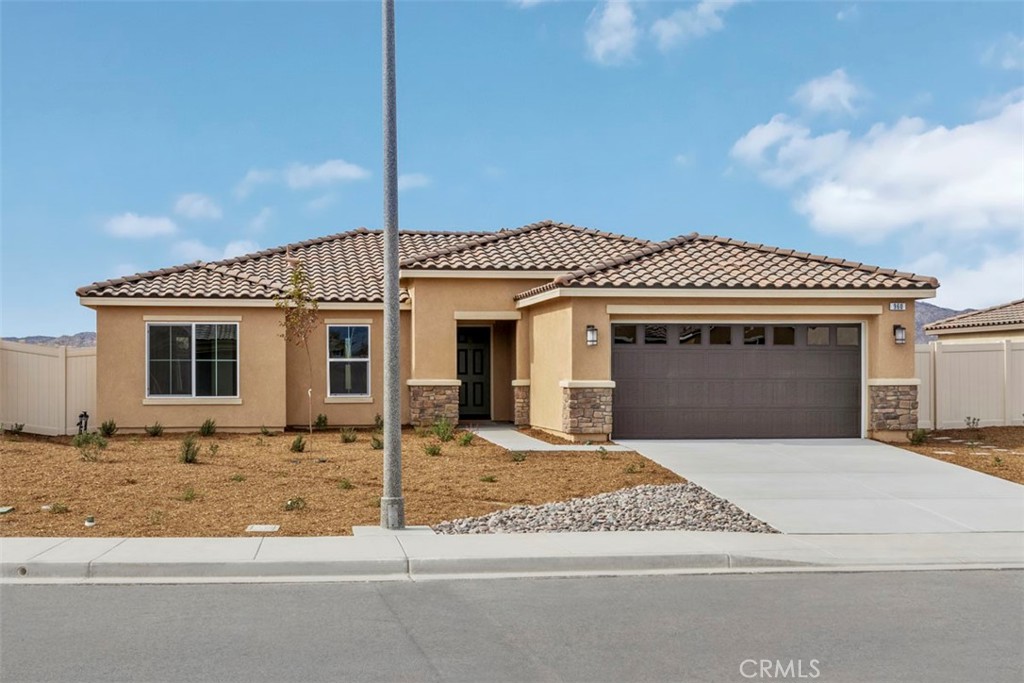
[{"x": 521, "y": 383}]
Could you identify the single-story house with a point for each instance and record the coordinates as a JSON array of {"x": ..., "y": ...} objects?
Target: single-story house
[
  {"x": 1002, "y": 322},
  {"x": 581, "y": 333}
]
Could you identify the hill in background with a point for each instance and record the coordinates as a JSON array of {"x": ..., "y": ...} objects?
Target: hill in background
[{"x": 79, "y": 340}]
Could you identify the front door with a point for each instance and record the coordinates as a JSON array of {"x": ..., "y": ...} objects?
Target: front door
[{"x": 474, "y": 370}]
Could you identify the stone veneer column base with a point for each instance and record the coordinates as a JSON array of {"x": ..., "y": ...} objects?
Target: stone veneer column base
[
  {"x": 893, "y": 407},
  {"x": 429, "y": 403},
  {"x": 521, "y": 397},
  {"x": 586, "y": 410}
]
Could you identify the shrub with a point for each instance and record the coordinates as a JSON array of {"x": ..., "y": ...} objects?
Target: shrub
[
  {"x": 517, "y": 456},
  {"x": 349, "y": 435},
  {"x": 295, "y": 503},
  {"x": 189, "y": 453},
  {"x": 602, "y": 452},
  {"x": 238, "y": 477},
  {"x": 108, "y": 428},
  {"x": 432, "y": 448},
  {"x": 376, "y": 443},
  {"x": 89, "y": 445},
  {"x": 214, "y": 447},
  {"x": 631, "y": 469},
  {"x": 264, "y": 431},
  {"x": 59, "y": 509},
  {"x": 208, "y": 428},
  {"x": 972, "y": 422},
  {"x": 298, "y": 445},
  {"x": 444, "y": 429},
  {"x": 320, "y": 424},
  {"x": 489, "y": 479},
  {"x": 156, "y": 429},
  {"x": 345, "y": 485},
  {"x": 423, "y": 432},
  {"x": 466, "y": 438},
  {"x": 189, "y": 494},
  {"x": 917, "y": 436},
  {"x": 15, "y": 428},
  {"x": 997, "y": 461},
  {"x": 378, "y": 423}
]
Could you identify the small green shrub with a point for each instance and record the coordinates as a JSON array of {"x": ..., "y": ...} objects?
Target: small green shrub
[
  {"x": 432, "y": 448},
  {"x": 14, "y": 428},
  {"x": 466, "y": 438},
  {"x": 378, "y": 423},
  {"x": 155, "y": 429},
  {"x": 631, "y": 469},
  {"x": 189, "y": 494},
  {"x": 214, "y": 447},
  {"x": 189, "y": 453},
  {"x": 238, "y": 477},
  {"x": 602, "y": 452},
  {"x": 59, "y": 509},
  {"x": 917, "y": 436},
  {"x": 89, "y": 445},
  {"x": 517, "y": 456},
  {"x": 376, "y": 443},
  {"x": 349, "y": 435},
  {"x": 298, "y": 445},
  {"x": 264, "y": 431},
  {"x": 208, "y": 428},
  {"x": 972, "y": 422},
  {"x": 156, "y": 517},
  {"x": 320, "y": 424},
  {"x": 345, "y": 485},
  {"x": 997, "y": 461},
  {"x": 108, "y": 428},
  {"x": 296, "y": 503},
  {"x": 423, "y": 432},
  {"x": 444, "y": 429},
  {"x": 489, "y": 479}
]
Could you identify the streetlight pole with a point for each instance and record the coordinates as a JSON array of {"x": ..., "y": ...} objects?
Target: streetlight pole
[{"x": 392, "y": 505}]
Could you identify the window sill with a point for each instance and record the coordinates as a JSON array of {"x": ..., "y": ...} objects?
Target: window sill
[
  {"x": 182, "y": 401},
  {"x": 349, "y": 399}
]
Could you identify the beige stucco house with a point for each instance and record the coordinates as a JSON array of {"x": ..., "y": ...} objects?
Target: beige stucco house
[
  {"x": 1002, "y": 322},
  {"x": 581, "y": 333}
]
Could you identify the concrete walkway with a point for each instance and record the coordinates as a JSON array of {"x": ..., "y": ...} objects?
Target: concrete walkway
[
  {"x": 843, "y": 486},
  {"x": 510, "y": 438},
  {"x": 423, "y": 556}
]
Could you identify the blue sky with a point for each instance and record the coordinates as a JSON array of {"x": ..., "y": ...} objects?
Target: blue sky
[{"x": 142, "y": 135}]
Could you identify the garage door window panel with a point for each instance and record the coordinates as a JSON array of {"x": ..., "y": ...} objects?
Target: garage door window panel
[
  {"x": 754, "y": 336},
  {"x": 624, "y": 334},
  {"x": 783, "y": 336},
  {"x": 691, "y": 335},
  {"x": 655, "y": 335}
]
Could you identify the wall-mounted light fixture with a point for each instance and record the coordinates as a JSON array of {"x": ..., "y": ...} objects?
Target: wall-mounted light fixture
[
  {"x": 899, "y": 333},
  {"x": 591, "y": 335}
]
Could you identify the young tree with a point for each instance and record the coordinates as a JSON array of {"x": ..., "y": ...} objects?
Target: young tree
[{"x": 301, "y": 319}]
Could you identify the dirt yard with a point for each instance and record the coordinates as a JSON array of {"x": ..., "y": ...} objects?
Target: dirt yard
[
  {"x": 139, "y": 488},
  {"x": 998, "y": 451}
]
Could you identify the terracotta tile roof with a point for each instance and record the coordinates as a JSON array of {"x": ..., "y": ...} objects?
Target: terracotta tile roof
[
  {"x": 1003, "y": 314},
  {"x": 539, "y": 246},
  {"x": 701, "y": 261}
]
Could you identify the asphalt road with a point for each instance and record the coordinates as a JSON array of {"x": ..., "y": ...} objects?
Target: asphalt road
[{"x": 909, "y": 626}]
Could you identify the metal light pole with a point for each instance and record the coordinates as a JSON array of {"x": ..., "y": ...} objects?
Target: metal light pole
[{"x": 392, "y": 505}]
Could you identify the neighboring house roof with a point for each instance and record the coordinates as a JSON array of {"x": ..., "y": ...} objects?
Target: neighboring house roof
[
  {"x": 701, "y": 261},
  {"x": 1004, "y": 314},
  {"x": 347, "y": 267}
]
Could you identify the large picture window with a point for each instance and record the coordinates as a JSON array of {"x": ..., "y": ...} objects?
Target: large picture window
[
  {"x": 192, "y": 359},
  {"x": 348, "y": 360}
]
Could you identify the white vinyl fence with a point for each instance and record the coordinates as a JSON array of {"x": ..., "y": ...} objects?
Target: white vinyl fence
[
  {"x": 46, "y": 387},
  {"x": 960, "y": 380}
]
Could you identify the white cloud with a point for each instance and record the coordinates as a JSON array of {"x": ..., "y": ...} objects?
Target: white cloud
[
  {"x": 1005, "y": 53},
  {"x": 301, "y": 176},
  {"x": 695, "y": 21},
  {"x": 252, "y": 179},
  {"x": 140, "y": 227},
  {"x": 197, "y": 206},
  {"x": 321, "y": 203},
  {"x": 410, "y": 181},
  {"x": 848, "y": 13},
  {"x": 527, "y": 4},
  {"x": 993, "y": 105},
  {"x": 194, "y": 250},
  {"x": 997, "y": 278},
  {"x": 683, "y": 159},
  {"x": 834, "y": 93},
  {"x": 966, "y": 179},
  {"x": 611, "y": 33},
  {"x": 259, "y": 222}
]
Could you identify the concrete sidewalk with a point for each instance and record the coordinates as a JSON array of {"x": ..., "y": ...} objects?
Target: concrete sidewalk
[
  {"x": 423, "y": 556},
  {"x": 511, "y": 439}
]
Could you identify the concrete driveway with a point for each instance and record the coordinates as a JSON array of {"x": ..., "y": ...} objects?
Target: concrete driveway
[{"x": 843, "y": 486}]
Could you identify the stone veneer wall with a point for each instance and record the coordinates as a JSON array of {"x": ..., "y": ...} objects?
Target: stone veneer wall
[
  {"x": 428, "y": 404},
  {"x": 521, "y": 396},
  {"x": 586, "y": 410},
  {"x": 893, "y": 407}
]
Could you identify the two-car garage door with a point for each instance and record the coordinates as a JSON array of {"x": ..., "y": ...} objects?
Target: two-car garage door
[{"x": 736, "y": 381}]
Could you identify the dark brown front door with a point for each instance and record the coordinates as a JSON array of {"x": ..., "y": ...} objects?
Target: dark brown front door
[
  {"x": 736, "y": 381},
  {"x": 473, "y": 362}
]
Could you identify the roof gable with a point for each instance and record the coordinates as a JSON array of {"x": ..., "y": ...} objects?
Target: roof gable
[{"x": 1011, "y": 313}]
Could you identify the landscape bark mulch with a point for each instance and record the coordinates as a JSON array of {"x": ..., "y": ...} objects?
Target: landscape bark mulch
[{"x": 998, "y": 451}]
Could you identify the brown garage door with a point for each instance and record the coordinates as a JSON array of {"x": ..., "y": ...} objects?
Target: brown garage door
[{"x": 736, "y": 381}]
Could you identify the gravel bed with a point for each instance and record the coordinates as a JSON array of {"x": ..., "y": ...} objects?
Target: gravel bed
[{"x": 674, "y": 507}]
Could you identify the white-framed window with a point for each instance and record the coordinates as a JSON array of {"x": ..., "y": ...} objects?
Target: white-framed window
[
  {"x": 191, "y": 360},
  {"x": 348, "y": 360}
]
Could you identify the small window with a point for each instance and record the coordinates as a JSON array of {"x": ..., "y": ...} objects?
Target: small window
[
  {"x": 754, "y": 336},
  {"x": 817, "y": 336},
  {"x": 690, "y": 334},
  {"x": 624, "y": 334},
  {"x": 655, "y": 334},
  {"x": 348, "y": 360},
  {"x": 784, "y": 336},
  {"x": 847, "y": 336},
  {"x": 720, "y": 334}
]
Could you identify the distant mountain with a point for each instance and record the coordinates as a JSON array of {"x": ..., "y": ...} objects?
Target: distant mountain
[
  {"x": 79, "y": 340},
  {"x": 925, "y": 314}
]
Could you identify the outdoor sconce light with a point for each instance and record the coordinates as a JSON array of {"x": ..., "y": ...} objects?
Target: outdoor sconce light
[
  {"x": 591, "y": 335},
  {"x": 900, "y": 334}
]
